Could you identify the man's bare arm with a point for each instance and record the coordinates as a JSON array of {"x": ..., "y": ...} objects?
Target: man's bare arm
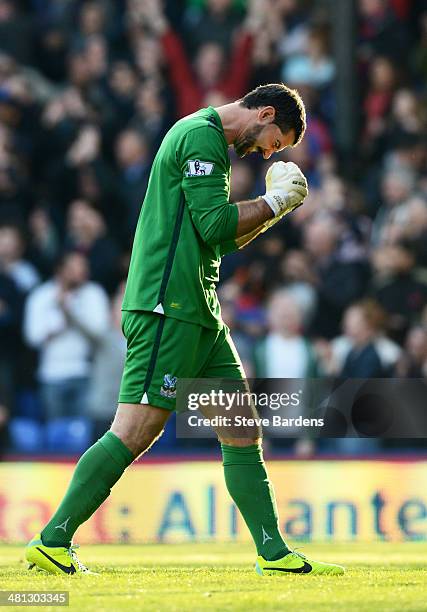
[
  {"x": 252, "y": 216},
  {"x": 248, "y": 213}
]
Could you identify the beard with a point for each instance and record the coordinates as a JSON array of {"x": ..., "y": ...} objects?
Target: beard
[{"x": 246, "y": 142}]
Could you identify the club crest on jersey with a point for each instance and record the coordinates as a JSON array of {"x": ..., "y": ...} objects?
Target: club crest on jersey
[
  {"x": 199, "y": 168},
  {"x": 168, "y": 389}
]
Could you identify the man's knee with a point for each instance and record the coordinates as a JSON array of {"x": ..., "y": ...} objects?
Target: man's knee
[{"x": 139, "y": 426}]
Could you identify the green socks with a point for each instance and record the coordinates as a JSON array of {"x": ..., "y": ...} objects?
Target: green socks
[
  {"x": 248, "y": 484},
  {"x": 98, "y": 470},
  {"x": 103, "y": 464}
]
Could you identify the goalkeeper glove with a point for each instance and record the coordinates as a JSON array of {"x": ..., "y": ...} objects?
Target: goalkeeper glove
[{"x": 286, "y": 188}]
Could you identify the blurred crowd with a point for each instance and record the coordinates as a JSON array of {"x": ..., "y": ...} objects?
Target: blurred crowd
[{"x": 87, "y": 91}]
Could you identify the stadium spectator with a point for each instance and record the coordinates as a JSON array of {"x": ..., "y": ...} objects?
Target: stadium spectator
[
  {"x": 285, "y": 352},
  {"x": 92, "y": 18},
  {"x": 379, "y": 97},
  {"x": 413, "y": 362},
  {"x": 300, "y": 281},
  {"x": 381, "y": 32},
  {"x": 338, "y": 282},
  {"x": 11, "y": 303},
  {"x": 121, "y": 88},
  {"x": 397, "y": 186},
  {"x": 147, "y": 51},
  {"x": 215, "y": 22},
  {"x": 406, "y": 113},
  {"x": 361, "y": 329},
  {"x": 134, "y": 168},
  {"x": 152, "y": 116},
  {"x": 87, "y": 233},
  {"x": 397, "y": 288},
  {"x": 333, "y": 354},
  {"x": 43, "y": 247},
  {"x": 65, "y": 318},
  {"x": 12, "y": 247},
  {"x": 15, "y": 32},
  {"x": 243, "y": 340},
  {"x": 107, "y": 369},
  {"x": 15, "y": 197},
  {"x": 210, "y": 72},
  {"x": 315, "y": 67},
  {"x": 361, "y": 325},
  {"x": 81, "y": 169},
  {"x": 96, "y": 57}
]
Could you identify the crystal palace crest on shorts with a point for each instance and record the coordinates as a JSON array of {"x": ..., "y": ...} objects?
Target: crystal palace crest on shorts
[{"x": 168, "y": 389}]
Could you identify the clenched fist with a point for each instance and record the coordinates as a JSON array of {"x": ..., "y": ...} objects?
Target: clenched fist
[{"x": 286, "y": 188}]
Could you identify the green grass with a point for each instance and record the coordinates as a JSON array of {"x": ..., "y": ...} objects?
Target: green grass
[{"x": 380, "y": 577}]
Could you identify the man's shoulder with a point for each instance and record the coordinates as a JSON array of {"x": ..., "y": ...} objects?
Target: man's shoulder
[
  {"x": 201, "y": 124},
  {"x": 43, "y": 295},
  {"x": 194, "y": 135},
  {"x": 93, "y": 289},
  {"x": 45, "y": 289}
]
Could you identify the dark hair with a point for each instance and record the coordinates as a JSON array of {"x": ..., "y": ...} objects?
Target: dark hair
[
  {"x": 290, "y": 109},
  {"x": 64, "y": 255},
  {"x": 374, "y": 313}
]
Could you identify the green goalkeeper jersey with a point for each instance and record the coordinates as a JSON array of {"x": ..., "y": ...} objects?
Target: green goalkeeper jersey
[{"x": 186, "y": 224}]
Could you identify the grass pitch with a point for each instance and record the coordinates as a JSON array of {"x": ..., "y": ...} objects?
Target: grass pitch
[{"x": 192, "y": 577}]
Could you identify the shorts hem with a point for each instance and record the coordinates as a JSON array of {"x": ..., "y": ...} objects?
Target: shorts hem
[
  {"x": 169, "y": 313},
  {"x": 157, "y": 401}
]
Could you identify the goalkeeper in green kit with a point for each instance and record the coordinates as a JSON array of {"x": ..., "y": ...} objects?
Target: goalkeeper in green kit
[{"x": 172, "y": 318}]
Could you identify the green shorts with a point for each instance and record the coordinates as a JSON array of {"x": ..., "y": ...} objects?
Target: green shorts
[{"x": 162, "y": 349}]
